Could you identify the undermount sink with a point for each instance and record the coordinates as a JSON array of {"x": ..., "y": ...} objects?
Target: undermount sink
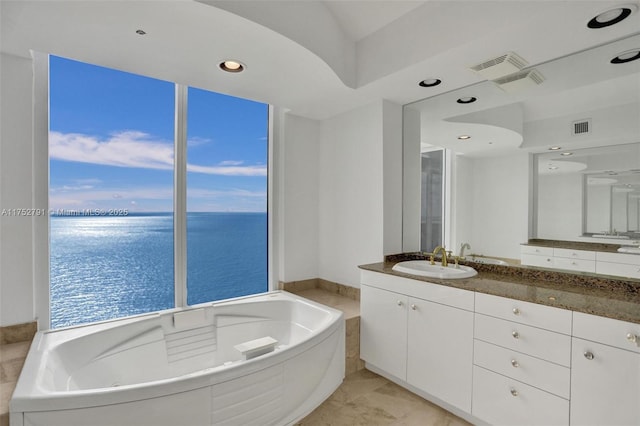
[
  {"x": 426, "y": 269},
  {"x": 632, "y": 250},
  {"x": 487, "y": 260}
]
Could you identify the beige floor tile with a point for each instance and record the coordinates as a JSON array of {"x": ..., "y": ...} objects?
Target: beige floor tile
[
  {"x": 365, "y": 398},
  {"x": 350, "y": 307},
  {"x": 14, "y": 350},
  {"x": 356, "y": 385},
  {"x": 6, "y": 390}
]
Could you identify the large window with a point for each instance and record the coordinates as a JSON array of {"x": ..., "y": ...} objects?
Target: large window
[
  {"x": 112, "y": 195},
  {"x": 226, "y": 197}
]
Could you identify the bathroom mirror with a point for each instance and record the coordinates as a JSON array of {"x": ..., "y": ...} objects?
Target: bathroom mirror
[
  {"x": 592, "y": 193},
  {"x": 580, "y": 113}
]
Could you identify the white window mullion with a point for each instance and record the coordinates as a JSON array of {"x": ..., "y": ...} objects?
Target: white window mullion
[{"x": 180, "y": 197}]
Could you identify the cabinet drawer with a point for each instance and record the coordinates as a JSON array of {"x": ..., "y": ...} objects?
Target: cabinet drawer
[
  {"x": 499, "y": 400},
  {"x": 630, "y": 259},
  {"x": 537, "y": 260},
  {"x": 574, "y": 254},
  {"x": 574, "y": 264},
  {"x": 618, "y": 269},
  {"x": 616, "y": 333},
  {"x": 541, "y": 374},
  {"x": 550, "y": 346},
  {"x": 538, "y": 250},
  {"x": 527, "y": 313}
]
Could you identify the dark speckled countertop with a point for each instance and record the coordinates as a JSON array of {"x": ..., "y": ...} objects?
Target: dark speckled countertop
[
  {"x": 574, "y": 245},
  {"x": 611, "y": 297}
]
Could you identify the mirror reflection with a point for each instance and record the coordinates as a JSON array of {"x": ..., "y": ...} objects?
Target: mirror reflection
[{"x": 581, "y": 114}]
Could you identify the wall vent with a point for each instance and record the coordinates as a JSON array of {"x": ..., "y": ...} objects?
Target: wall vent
[
  {"x": 520, "y": 81},
  {"x": 581, "y": 127},
  {"x": 500, "y": 66}
]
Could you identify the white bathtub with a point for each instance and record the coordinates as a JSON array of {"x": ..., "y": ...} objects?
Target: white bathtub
[{"x": 180, "y": 367}]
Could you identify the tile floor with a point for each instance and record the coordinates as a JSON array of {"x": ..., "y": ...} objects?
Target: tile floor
[{"x": 365, "y": 398}]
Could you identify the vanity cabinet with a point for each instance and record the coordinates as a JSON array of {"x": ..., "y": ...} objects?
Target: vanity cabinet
[
  {"x": 421, "y": 333},
  {"x": 498, "y": 360},
  {"x": 522, "y": 359},
  {"x": 605, "y": 382},
  {"x": 606, "y": 263},
  {"x": 560, "y": 258},
  {"x": 618, "y": 264}
]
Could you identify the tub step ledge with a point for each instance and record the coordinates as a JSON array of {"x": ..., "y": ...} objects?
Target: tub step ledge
[{"x": 257, "y": 347}]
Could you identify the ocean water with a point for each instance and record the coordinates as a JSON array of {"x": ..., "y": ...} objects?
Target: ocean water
[{"x": 105, "y": 267}]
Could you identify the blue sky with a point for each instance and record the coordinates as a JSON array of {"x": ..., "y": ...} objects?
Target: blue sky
[{"x": 111, "y": 144}]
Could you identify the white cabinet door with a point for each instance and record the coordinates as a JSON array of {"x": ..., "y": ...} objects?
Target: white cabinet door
[
  {"x": 605, "y": 385},
  {"x": 383, "y": 330},
  {"x": 440, "y": 351}
]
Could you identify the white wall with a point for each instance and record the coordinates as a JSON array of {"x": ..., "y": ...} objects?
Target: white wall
[
  {"x": 299, "y": 221},
  {"x": 560, "y": 206},
  {"x": 351, "y": 190},
  {"x": 16, "y": 183},
  {"x": 392, "y": 163},
  {"x": 492, "y": 210}
]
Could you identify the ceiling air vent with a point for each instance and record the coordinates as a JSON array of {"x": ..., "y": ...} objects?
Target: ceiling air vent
[
  {"x": 500, "y": 66},
  {"x": 581, "y": 127},
  {"x": 520, "y": 81}
]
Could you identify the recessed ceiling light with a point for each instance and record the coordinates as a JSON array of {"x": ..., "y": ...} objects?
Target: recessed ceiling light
[
  {"x": 231, "y": 65},
  {"x": 628, "y": 56},
  {"x": 611, "y": 16},
  {"x": 567, "y": 153},
  {"x": 430, "y": 82},
  {"x": 555, "y": 148},
  {"x": 467, "y": 100},
  {"x": 141, "y": 32},
  {"x": 464, "y": 137}
]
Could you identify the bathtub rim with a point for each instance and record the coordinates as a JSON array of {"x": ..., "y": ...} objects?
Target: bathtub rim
[{"x": 29, "y": 397}]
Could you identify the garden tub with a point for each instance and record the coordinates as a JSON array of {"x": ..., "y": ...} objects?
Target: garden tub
[{"x": 268, "y": 359}]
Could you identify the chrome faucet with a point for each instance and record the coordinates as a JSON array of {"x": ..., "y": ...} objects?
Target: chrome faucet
[
  {"x": 462, "y": 247},
  {"x": 444, "y": 255}
]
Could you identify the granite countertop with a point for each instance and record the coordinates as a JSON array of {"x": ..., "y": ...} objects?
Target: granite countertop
[
  {"x": 611, "y": 297},
  {"x": 574, "y": 245}
]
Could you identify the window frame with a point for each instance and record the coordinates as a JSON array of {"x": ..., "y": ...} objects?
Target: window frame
[{"x": 40, "y": 194}]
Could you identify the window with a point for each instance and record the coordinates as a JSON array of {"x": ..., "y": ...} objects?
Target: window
[
  {"x": 226, "y": 197},
  {"x": 432, "y": 200},
  {"x": 111, "y": 195}
]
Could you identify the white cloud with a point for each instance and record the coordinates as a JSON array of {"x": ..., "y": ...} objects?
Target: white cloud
[
  {"x": 230, "y": 163},
  {"x": 124, "y": 149},
  {"x": 133, "y": 149},
  {"x": 257, "y": 170}
]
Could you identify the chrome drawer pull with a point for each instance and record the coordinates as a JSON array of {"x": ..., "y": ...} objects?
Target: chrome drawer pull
[
  {"x": 632, "y": 338},
  {"x": 414, "y": 307},
  {"x": 514, "y": 392},
  {"x": 589, "y": 355},
  {"x": 399, "y": 303},
  {"x": 516, "y": 311},
  {"x": 515, "y": 363},
  {"x": 515, "y": 335}
]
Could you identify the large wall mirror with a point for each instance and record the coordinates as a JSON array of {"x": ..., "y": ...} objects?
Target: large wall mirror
[{"x": 552, "y": 155}]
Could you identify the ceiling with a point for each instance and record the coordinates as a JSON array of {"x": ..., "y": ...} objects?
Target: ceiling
[{"x": 314, "y": 58}]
